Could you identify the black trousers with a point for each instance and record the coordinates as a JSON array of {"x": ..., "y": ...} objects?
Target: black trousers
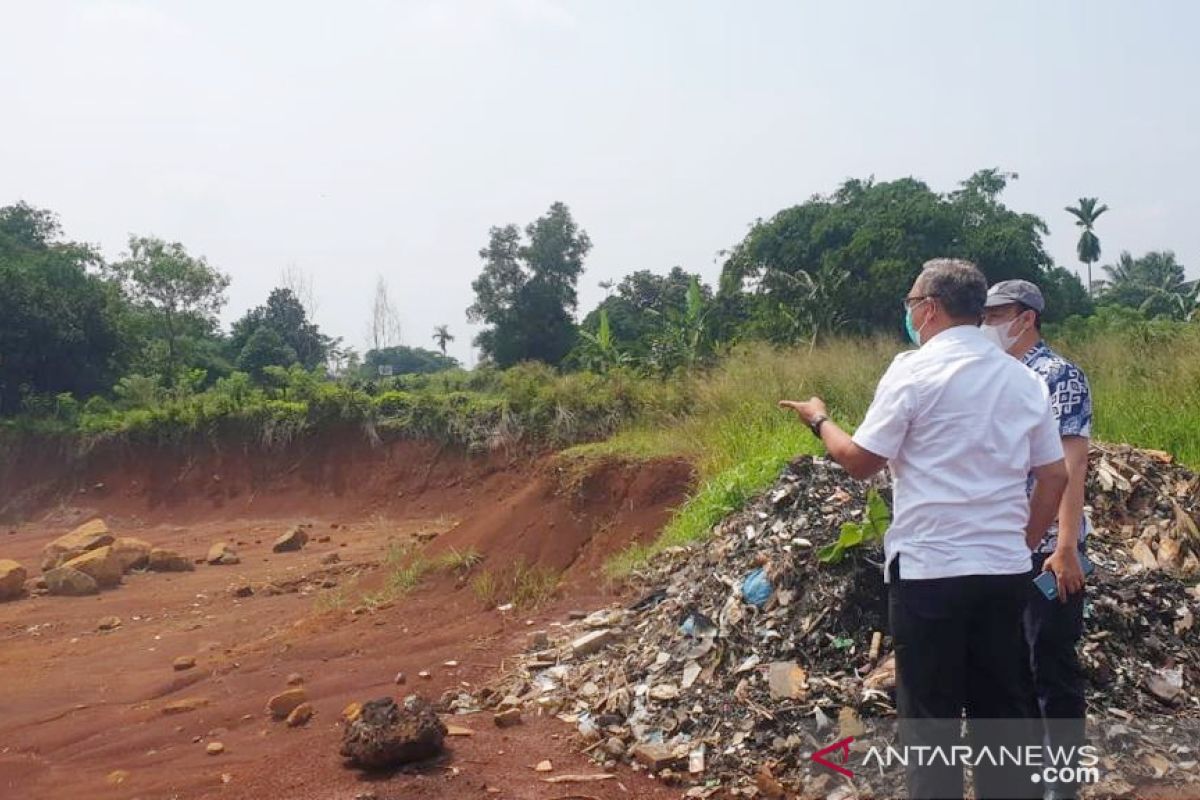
[
  {"x": 1052, "y": 633},
  {"x": 960, "y": 647}
]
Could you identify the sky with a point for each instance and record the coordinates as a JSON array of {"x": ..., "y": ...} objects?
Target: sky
[{"x": 363, "y": 138}]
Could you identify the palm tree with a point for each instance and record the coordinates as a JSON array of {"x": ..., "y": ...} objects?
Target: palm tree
[
  {"x": 1155, "y": 284},
  {"x": 1086, "y": 214},
  {"x": 441, "y": 335}
]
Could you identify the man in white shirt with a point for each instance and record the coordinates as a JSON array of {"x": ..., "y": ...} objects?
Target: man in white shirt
[{"x": 961, "y": 426}]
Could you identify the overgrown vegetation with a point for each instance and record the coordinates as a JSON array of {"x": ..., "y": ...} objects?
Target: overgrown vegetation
[
  {"x": 1145, "y": 379},
  {"x": 530, "y": 404}
]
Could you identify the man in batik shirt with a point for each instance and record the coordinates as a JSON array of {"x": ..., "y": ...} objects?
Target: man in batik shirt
[{"x": 1012, "y": 319}]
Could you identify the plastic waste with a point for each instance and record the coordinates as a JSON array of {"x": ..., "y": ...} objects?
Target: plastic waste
[{"x": 756, "y": 588}]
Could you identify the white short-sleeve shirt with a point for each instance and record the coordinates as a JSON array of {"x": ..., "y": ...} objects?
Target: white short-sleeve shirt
[{"x": 961, "y": 424}]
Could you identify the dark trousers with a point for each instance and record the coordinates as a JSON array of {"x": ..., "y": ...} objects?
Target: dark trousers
[
  {"x": 1052, "y": 633},
  {"x": 960, "y": 646}
]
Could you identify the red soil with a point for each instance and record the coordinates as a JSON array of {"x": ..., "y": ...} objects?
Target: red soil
[{"x": 81, "y": 711}]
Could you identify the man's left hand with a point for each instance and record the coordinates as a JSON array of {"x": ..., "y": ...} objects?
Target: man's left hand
[
  {"x": 1068, "y": 572},
  {"x": 807, "y": 410}
]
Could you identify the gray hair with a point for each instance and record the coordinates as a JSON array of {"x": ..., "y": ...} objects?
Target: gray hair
[{"x": 957, "y": 284}]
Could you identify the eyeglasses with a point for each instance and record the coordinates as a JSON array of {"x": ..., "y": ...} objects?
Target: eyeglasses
[{"x": 909, "y": 301}]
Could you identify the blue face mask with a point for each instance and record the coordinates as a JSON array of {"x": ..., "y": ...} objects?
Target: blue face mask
[{"x": 914, "y": 334}]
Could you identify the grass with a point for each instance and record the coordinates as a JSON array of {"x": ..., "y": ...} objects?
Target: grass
[
  {"x": 1145, "y": 390},
  {"x": 526, "y": 586},
  {"x": 1145, "y": 387},
  {"x": 737, "y": 436},
  {"x": 461, "y": 562}
]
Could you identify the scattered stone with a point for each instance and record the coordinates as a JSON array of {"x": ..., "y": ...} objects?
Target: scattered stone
[
  {"x": 351, "y": 712},
  {"x": 295, "y": 679},
  {"x": 591, "y": 642},
  {"x": 400, "y": 678},
  {"x": 293, "y": 540},
  {"x": 539, "y": 640},
  {"x": 184, "y": 706},
  {"x": 544, "y": 766},
  {"x": 331, "y": 558},
  {"x": 12, "y": 579},
  {"x": 101, "y": 564},
  {"x": 222, "y": 553},
  {"x": 507, "y": 718},
  {"x": 184, "y": 663},
  {"x": 163, "y": 560},
  {"x": 300, "y": 715},
  {"x": 655, "y": 757},
  {"x": 131, "y": 553},
  {"x": 36, "y": 585},
  {"x": 70, "y": 582},
  {"x": 387, "y": 735},
  {"x": 242, "y": 590},
  {"x": 424, "y": 674},
  {"x": 117, "y": 777},
  {"x": 214, "y": 748},
  {"x": 286, "y": 702},
  {"x": 458, "y": 730},
  {"x": 109, "y": 623},
  {"x": 88, "y": 536}
]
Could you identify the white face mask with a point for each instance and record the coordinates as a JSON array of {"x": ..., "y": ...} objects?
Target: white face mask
[{"x": 1001, "y": 334}]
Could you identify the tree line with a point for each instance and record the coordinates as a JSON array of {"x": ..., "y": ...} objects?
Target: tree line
[{"x": 837, "y": 264}]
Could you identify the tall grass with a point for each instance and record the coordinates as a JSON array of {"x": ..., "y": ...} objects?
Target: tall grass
[
  {"x": 1145, "y": 389},
  {"x": 1146, "y": 392},
  {"x": 737, "y": 436}
]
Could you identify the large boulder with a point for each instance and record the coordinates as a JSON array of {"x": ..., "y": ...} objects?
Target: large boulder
[
  {"x": 101, "y": 564},
  {"x": 386, "y": 735},
  {"x": 12, "y": 579},
  {"x": 222, "y": 553},
  {"x": 69, "y": 581},
  {"x": 132, "y": 553},
  {"x": 163, "y": 560},
  {"x": 88, "y": 536}
]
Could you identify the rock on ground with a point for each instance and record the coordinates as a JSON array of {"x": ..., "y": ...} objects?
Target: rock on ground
[
  {"x": 387, "y": 735},
  {"x": 131, "y": 553},
  {"x": 286, "y": 702},
  {"x": 222, "y": 553},
  {"x": 101, "y": 564},
  {"x": 293, "y": 540},
  {"x": 162, "y": 560},
  {"x": 70, "y": 582},
  {"x": 88, "y": 536},
  {"x": 12, "y": 579}
]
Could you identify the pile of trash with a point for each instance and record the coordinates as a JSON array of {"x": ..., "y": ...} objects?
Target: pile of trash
[{"x": 747, "y": 654}]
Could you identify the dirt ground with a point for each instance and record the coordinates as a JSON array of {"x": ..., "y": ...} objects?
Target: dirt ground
[{"x": 82, "y": 711}]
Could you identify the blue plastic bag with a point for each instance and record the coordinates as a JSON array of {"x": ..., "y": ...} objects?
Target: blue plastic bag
[{"x": 756, "y": 588}]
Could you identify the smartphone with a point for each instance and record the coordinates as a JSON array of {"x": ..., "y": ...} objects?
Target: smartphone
[{"x": 1047, "y": 584}]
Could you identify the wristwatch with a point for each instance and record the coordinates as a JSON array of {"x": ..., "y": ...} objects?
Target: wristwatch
[{"x": 815, "y": 425}]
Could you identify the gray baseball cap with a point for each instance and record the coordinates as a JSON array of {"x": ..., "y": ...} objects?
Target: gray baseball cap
[{"x": 1016, "y": 291}]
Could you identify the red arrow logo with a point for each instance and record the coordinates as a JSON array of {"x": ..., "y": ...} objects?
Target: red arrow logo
[{"x": 844, "y": 747}]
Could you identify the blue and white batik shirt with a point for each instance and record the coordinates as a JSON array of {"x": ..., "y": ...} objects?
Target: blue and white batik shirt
[{"x": 1071, "y": 402}]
